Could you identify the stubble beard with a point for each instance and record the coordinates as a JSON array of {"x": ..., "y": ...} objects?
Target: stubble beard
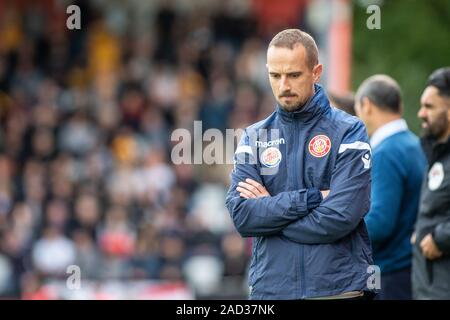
[{"x": 438, "y": 129}]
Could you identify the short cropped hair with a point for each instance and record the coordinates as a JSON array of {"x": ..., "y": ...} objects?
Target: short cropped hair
[
  {"x": 289, "y": 38},
  {"x": 383, "y": 91},
  {"x": 440, "y": 79}
]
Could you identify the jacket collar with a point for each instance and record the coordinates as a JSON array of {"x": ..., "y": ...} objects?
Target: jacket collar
[
  {"x": 317, "y": 104},
  {"x": 434, "y": 149},
  {"x": 387, "y": 130}
]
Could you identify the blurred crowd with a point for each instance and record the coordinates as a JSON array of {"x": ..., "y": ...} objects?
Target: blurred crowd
[{"x": 86, "y": 118}]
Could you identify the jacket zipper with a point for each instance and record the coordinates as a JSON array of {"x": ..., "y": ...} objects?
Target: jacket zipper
[{"x": 296, "y": 186}]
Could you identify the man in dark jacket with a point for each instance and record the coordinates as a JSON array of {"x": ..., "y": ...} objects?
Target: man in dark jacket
[
  {"x": 301, "y": 186},
  {"x": 431, "y": 240}
]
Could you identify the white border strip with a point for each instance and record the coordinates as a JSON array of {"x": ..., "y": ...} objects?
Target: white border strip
[
  {"x": 357, "y": 145},
  {"x": 244, "y": 149}
]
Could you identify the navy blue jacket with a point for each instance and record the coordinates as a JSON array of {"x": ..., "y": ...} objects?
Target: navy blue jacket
[{"x": 304, "y": 246}]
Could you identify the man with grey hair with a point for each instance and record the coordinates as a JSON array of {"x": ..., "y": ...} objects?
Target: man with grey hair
[
  {"x": 397, "y": 169},
  {"x": 301, "y": 184}
]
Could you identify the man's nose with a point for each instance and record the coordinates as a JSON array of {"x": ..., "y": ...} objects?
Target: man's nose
[
  {"x": 422, "y": 113},
  {"x": 284, "y": 84}
]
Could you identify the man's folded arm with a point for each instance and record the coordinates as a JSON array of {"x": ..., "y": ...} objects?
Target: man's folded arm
[
  {"x": 349, "y": 198},
  {"x": 266, "y": 215}
]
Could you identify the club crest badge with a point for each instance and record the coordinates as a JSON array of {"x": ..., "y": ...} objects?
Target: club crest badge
[
  {"x": 435, "y": 176},
  {"x": 319, "y": 146},
  {"x": 271, "y": 157}
]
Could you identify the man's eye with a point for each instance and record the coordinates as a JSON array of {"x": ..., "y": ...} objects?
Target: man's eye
[
  {"x": 295, "y": 75},
  {"x": 275, "y": 76}
]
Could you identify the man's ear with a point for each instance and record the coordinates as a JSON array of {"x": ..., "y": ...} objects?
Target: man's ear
[
  {"x": 447, "y": 101},
  {"x": 317, "y": 72},
  {"x": 366, "y": 105},
  {"x": 448, "y": 114}
]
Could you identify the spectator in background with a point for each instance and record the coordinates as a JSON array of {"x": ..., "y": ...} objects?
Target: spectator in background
[
  {"x": 145, "y": 262},
  {"x": 53, "y": 253},
  {"x": 344, "y": 102},
  {"x": 87, "y": 214},
  {"x": 398, "y": 164},
  {"x": 85, "y": 123},
  {"x": 87, "y": 257},
  {"x": 431, "y": 239},
  {"x": 235, "y": 262},
  {"x": 171, "y": 255}
]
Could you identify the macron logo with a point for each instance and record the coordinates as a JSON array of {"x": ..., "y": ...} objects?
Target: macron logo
[{"x": 266, "y": 144}]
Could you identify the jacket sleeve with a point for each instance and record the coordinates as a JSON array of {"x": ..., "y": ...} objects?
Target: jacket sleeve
[
  {"x": 441, "y": 236},
  {"x": 349, "y": 197},
  {"x": 266, "y": 215},
  {"x": 387, "y": 188}
]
